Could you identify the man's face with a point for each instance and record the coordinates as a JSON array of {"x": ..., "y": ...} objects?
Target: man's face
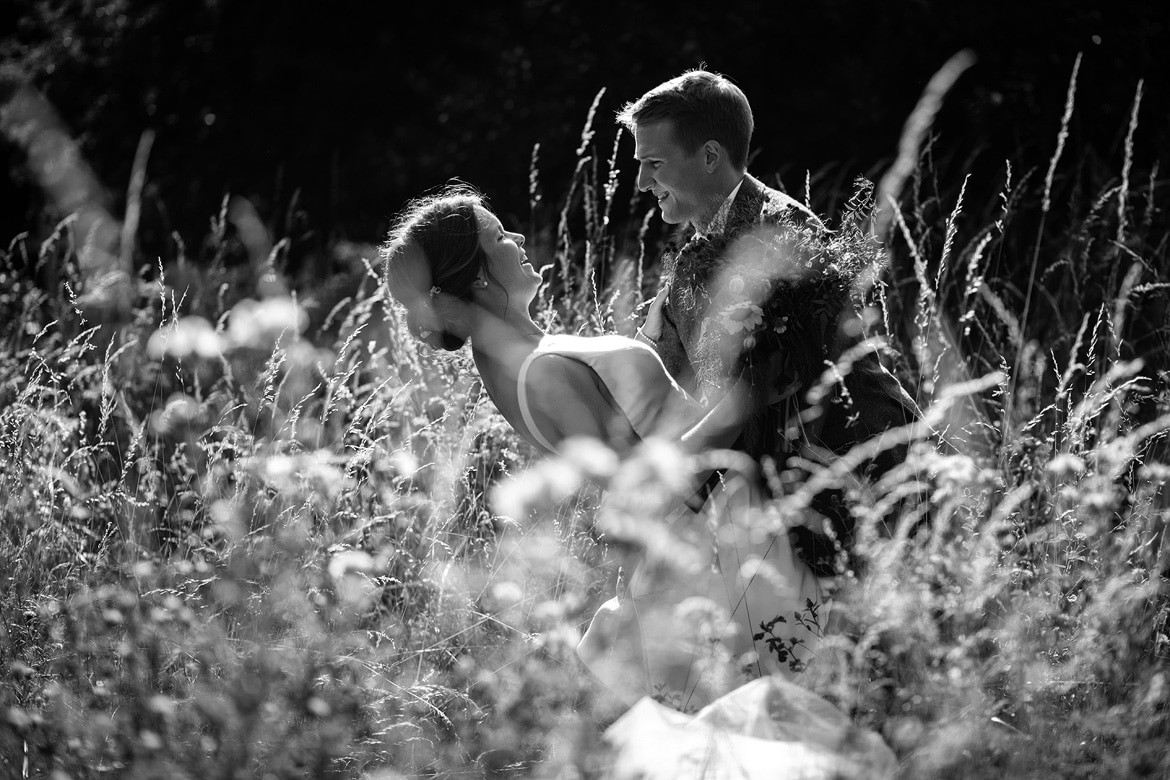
[{"x": 678, "y": 178}]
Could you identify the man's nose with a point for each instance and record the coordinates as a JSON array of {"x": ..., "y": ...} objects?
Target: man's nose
[
  {"x": 644, "y": 180},
  {"x": 519, "y": 239}
]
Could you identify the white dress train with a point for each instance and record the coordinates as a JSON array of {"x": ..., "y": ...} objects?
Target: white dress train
[{"x": 767, "y": 728}]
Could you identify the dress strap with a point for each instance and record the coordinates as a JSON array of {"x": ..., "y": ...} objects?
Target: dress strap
[{"x": 522, "y": 399}]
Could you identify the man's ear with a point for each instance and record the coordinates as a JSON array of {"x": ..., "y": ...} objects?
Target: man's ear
[{"x": 712, "y": 155}]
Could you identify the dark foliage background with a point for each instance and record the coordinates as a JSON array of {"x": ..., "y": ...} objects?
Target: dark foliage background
[{"x": 329, "y": 115}]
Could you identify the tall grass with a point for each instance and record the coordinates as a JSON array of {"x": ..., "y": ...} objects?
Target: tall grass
[{"x": 249, "y": 533}]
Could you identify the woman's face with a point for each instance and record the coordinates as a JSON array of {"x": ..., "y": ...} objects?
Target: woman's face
[{"x": 507, "y": 264}]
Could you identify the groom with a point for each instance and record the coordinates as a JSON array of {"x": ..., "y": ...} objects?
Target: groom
[{"x": 748, "y": 311}]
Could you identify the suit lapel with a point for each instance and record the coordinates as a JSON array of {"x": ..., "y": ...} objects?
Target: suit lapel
[
  {"x": 689, "y": 262},
  {"x": 691, "y": 259},
  {"x": 745, "y": 210}
]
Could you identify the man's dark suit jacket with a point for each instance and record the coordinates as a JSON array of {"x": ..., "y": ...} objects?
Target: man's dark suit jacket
[{"x": 866, "y": 403}]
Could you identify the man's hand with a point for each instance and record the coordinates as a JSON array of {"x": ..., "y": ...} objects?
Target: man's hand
[{"x": 651, "y": 329}]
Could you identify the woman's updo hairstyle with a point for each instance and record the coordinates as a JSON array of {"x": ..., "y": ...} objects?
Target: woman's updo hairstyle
[{"x": 432, "y": 256}]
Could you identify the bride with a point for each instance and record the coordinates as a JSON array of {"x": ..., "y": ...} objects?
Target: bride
[{"x": 461, "y": 275}]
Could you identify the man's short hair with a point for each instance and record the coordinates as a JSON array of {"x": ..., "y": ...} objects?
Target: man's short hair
[{"x": 703, "y": 106}]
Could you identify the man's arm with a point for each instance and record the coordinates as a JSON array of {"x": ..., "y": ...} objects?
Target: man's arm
[
  {"x": 723, "y": 423},
  {"x": 718, "y": 429}
]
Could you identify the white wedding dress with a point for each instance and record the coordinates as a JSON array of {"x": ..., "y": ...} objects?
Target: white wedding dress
[
  {"x": 767, "y": 728},
  {"x": 745, "y": 608}
]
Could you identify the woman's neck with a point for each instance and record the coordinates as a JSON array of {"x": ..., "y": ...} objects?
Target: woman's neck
[
  {"x": 499, "y": 348},
  {"x": 500, "y": 345},
  {"x": 490, "y": 331}
]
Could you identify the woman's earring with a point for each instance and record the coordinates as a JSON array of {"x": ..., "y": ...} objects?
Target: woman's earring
[{"x": 480, "y": 283}]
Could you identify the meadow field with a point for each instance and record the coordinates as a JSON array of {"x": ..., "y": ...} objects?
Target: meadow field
[{"x": 251, "y": 528}]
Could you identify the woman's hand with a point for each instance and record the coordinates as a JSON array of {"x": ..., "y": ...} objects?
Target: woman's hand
[{"x": 651, "y": 329}]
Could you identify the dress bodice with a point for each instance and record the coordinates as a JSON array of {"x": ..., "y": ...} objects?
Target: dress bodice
[{"x": 632, "y": 372}]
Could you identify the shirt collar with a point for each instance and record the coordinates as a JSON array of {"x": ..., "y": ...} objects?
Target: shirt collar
[{"x": 719, "y": 222}]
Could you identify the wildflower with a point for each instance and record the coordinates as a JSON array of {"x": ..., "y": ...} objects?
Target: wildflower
[
  {"x": 278, "y": 470},
  {"x": 548, "y": 612},
  {"x": 150, "y": 740},
  {"x": 1066, "y": 465},
  {"x": 314, "y": 472},
  {"x": 656, "y": 465},
  {"x": 403, "y": 463},
  {"x": 318, "y": 707},
  {"x": 558, "y": 641},
  {"x": 591, "y": 456},
  {"x": 703, "y": 622},
  {"x": 226, "y": 520},
  {"x": 738, "y": 317},
  {"x": 322, "y": 476},
  {"x": 349, "y": 561},
  {"x": 161, "y": 705},
  {"x": 503, "y": 596},
  {"x": 18, "y": 719},
  {"x": 905, "y": 732},
  {"x": 756, "y": 568},
  {"x": 700, "y": 610},
  {"x": 181, "y": 413},
  {"x": 303, "y": 356},
  {"x": 349, "y": 571},
  {"x": 260, "y": 323},
  {"x": 541, "y": 486},
  {"x": 189, "y": 336}
]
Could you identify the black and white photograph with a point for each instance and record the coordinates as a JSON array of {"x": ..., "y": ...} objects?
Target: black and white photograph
[{"x": 581, "y": 390}]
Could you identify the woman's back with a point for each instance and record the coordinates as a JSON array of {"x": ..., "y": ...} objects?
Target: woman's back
[{"x": 633, "y": 384}]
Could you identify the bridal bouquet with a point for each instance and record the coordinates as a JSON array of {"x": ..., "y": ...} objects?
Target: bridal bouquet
[{"x": 773, "y": 297}]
